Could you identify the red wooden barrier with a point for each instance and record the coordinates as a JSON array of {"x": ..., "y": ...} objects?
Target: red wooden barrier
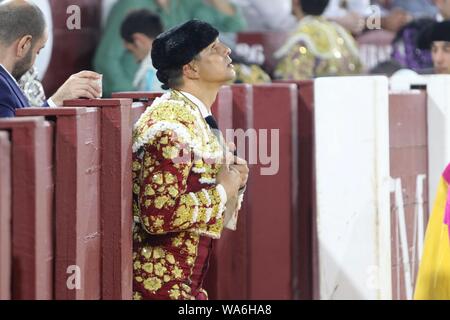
[
  {"x": 116, "y": 194},
  {"x": 305, "y": 257},
  {"x": 32, "y": 191},
  {"x": 5, "y": 216},
  {"x": 77, "y": 215},
  {"x": 409, "y": 159},
  {"x": 227, "y": 274},
  {"x": 261, "y": 267},
  {"x": 222, "y": 109},
  {"x": 273, "y": 198},
  {"x": 138, "y": 96},
  {"x": 141, "y": 101}
]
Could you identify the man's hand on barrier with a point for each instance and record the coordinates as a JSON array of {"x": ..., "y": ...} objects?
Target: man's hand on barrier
[{"x": 80, "y": 85}]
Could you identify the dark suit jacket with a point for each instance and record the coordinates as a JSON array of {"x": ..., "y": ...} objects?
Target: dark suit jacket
[{"x": 11, "y": 96}]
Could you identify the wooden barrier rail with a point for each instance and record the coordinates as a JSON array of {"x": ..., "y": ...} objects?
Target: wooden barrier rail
[
  {"x": 32, "y": 207},
  {"x": 5, "y": 216}
]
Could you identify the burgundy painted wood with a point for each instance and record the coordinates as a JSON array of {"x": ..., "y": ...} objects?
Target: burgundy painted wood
[
  {"x": 274, "y": 197},
  {"x": 142, "y": 101},
  {"x": 137, "y": 110},
  {"x": 408, "y": 159},
  {"x": 222, "y": 109},
  {"x": 304, "y": 256},
  {"x": 137, "y": 95},
  {"x": 265, "y": 229},
  {"x": 227, "y": 274},
  {"x": 5, "y": 216},
  {"x": 232, "y": 250},
  {"x": 116, "y": 194},
  {"x": 77, "y": 208},
  {"x": 32, "y": 207}
]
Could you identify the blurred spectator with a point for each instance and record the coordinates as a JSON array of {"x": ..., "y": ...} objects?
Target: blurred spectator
[
  {"x": 404, "y": 46},
  {"x": 23, "y": 34},
  {"x": 417, "y": 8},
  {"x": 267, "y": 15},
  {"x": 32, "y": 88},
  {"x": 386, "y": 68},
  {"x": 138, "y": 31},
  {"x": 437, "y": 38},
  {"x": 350, "y": 14},
  {"x": 443, "y": 7},
  {"x": 249, "y": 73},
  {"x": 317, "y": 47},
  {"x": 118, "y": 65},
  {"x": 353, "y": 14}
]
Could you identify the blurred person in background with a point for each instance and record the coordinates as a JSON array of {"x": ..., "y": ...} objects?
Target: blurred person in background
[
  {"x": 32, "y": 87},
  {"x": 405, "y": 50},
  {"x": 437, "y": 38},
  {"x": 443, "y": 7},
  {"x": 267, "y": 15},
  {"x": 416, "y": 8},
  {"x": 393, "y": 18},
  {"x": 405, "y": 44},
  {"x": 138, "y": 31},
  {"x": 350, "y": 14},
  {"x": 118, "y": 65},
  {"x": 23, "y": 34},
  {"x": 317, "y": 47}
]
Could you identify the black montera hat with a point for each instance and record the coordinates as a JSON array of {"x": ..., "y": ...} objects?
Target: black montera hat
[
  {"x": 439, "y": 31},
  {"x": 179, "y": 45}
]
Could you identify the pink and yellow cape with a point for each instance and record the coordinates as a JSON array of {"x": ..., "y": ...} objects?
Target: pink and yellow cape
[{"x": 433, "y": 279}]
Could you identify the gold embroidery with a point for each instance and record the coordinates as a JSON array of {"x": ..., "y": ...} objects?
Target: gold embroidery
[
  {"x": 148, "y": 267},
  {"x": 173, "y": 191},
  {"x": 152, "y": 284},
  {"x": 147, "y": 253},
  {"x": 174, "y": 293},
  {"x": 170, "y": 258},
  {"x": 169, "y": 178},
  {"x": 161, "y": 201},
  {"x": 158, "y": 178},
  {"x": 177, "y": 272},
  {"x": 158, "y": 253},
  {"x": 139, "y": 279},
  {"x": 137, "y": 296},
  {"x": 136, "y": 166},
  {"x": 149, "y": 190},
  {"x": 160, "y": 269}
]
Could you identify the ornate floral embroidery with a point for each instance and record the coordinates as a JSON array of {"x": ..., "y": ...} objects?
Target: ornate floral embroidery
[{"x": 175, "y": 202}]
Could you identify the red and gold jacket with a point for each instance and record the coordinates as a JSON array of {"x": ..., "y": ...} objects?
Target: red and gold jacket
[{"x": 177, "y": 205}]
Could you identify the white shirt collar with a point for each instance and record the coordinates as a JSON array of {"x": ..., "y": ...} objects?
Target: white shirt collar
[
  {"x": 10, "y": 75},
  {"x": 203, "y": 109}
]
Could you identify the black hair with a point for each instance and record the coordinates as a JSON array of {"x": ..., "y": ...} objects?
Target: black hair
[
  {"x": 141, "y": 21},
  {"x": 313, "y": 7},
  {"x": 19, "y": 20}
]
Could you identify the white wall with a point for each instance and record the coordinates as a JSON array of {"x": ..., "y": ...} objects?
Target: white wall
[{"x": 353, "y": 197}]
